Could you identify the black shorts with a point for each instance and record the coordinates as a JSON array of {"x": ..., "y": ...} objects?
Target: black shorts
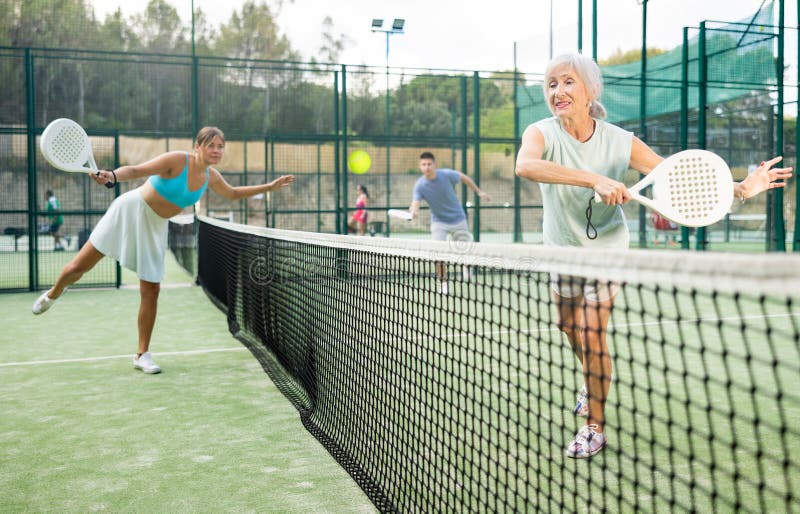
[{"x": 54, "y": 227}]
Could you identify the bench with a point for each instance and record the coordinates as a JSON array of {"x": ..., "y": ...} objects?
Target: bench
[
  {"x": 17, "y": 232},
  {"x": 377, "y": 227}
]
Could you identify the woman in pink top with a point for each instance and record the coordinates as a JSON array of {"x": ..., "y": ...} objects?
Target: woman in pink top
[{"x": 358, "y": 221}]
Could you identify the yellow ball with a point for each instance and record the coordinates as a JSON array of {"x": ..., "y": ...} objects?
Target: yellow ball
[{"x": 359, "y": 162}]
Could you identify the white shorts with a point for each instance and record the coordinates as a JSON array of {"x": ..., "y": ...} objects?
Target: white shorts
[
  {"x": 132, "y": 233},
  {"x": 453, "y": 231},
  {"x": 568, "y": 286}
]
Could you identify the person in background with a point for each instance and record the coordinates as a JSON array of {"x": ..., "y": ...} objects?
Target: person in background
[
  {"x": 358, "y": 221},
  {"x": 448, "y": 219},
  {"x": 56, "y": 219}
]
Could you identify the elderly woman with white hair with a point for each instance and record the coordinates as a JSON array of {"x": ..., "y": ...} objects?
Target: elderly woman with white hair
[{"x": 574, "y": 155}]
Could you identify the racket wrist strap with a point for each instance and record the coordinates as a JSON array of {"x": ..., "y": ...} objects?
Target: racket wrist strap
[
  {"x": 591, "y": 232},
  {"x": 115, "y": 177}
]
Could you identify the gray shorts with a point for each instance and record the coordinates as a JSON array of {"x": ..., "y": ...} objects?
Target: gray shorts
[
  {"x": 569, "y": 286},
  {"x": 451, "y": 231}
]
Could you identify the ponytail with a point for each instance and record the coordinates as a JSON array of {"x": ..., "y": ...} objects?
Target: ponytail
[{"x": 597, "y": 110}]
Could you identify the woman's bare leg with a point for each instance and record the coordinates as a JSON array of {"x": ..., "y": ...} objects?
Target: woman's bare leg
[
  {"x": 85, "y": 260},
  {"x": 596, "y": 358},
  {"x": 148, "y": 308},
  {"x": 570, "y": 321}
]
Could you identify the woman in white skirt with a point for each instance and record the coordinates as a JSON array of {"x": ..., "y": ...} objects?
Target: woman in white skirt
[{"x": 134, "y": 229}]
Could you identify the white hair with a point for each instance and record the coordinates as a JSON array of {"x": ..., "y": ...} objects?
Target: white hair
[{"x": 588, "y": 72}]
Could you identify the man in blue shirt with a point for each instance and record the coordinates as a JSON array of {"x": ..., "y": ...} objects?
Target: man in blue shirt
[{"x": 448, "y": 220}]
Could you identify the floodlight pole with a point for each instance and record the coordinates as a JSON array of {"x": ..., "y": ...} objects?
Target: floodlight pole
[
  {"x": 388, "y": 32},
  {"x": 395, "y": 28},
  {"x": 386, "y": 131}
]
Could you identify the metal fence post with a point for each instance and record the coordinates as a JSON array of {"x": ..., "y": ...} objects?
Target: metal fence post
[
  {"x": 685, "y": 114},
  {"x": 778, "y": 226},
  {"x": 30, "y": 123},
  {"x": 343, "y": 193},
  {"x": 702, "y": 72},
  {"x": 476, "y": 125}
]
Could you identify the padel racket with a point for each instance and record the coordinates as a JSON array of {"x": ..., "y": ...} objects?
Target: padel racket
[
  {"x": 66, "y": 146},
  {"x": 399, "y": 214},
  {"x": 693, "y": 188}
]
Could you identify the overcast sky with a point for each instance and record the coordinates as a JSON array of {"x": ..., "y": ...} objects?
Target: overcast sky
[{"x": 457, "y": 34}]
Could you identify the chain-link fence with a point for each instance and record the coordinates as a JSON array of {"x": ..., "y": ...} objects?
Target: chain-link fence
[{"x": 720, "y": 90}]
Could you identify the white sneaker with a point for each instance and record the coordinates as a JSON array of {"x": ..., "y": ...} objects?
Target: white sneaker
[
  {"x": 146, "y": 364},
  {"x": 582, "y": 403},
  {"x": 43, "y": 303},
  {"x": 445, "y": 288},
  {"x": 587, "y": 442}
]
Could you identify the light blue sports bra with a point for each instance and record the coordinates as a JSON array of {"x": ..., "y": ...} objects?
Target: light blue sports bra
[{"x": 176, "y": 189}]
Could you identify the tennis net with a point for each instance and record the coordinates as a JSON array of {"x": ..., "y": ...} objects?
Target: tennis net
[
  {"x": 182, "y": 241},
  {"x": 464, "y": 401}
]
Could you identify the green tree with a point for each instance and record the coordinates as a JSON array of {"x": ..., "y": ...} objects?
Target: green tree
[
  {"x": 160, "y": 28},
  {"x": 627, "y": 56},
  {"x": 252, "y": 33},
  {"x": 332, "y": 44},
  {"x": 204, "y": 33},
  {"x": 45, "y": 23},
  {"x": 116, "y": 34}
]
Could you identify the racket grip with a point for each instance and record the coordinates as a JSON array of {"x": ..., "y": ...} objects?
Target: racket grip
[
  {"x": 597, "y": 198},
  {"x": 109, "y": 185}
]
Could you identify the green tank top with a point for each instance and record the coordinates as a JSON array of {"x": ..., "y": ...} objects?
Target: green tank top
[{"x": 607, "y": 152}]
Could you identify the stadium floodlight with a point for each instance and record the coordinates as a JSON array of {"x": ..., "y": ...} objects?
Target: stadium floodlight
[{"x": 396, "y": 28}]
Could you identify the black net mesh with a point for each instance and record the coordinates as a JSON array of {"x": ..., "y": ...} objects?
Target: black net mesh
[{"x": 463, "y": 401}]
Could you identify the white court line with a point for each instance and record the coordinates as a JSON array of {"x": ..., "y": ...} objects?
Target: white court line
[
  {"x": 168, "y": 285},
  {"x": 451, "y": 335},
  {"x": 615, "y": 328},
  {"x": 111, "y": 357}
]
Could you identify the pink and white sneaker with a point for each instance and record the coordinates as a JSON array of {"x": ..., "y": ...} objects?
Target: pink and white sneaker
[{"x": 587, "y": 442}]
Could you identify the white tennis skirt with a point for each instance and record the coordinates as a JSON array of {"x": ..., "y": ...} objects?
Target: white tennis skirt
[{"x": 132, "y": 233}]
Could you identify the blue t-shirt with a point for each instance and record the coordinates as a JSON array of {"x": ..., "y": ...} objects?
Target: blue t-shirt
[{"x": 441, "y": 197}]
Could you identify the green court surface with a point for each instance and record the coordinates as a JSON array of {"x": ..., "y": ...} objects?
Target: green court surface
[{"x": 83, "y": 431}]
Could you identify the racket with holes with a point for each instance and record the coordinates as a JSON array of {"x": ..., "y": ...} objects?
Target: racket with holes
[
  {"x": 65, "y": 145},
  {"x": 693, "y": 188}
]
